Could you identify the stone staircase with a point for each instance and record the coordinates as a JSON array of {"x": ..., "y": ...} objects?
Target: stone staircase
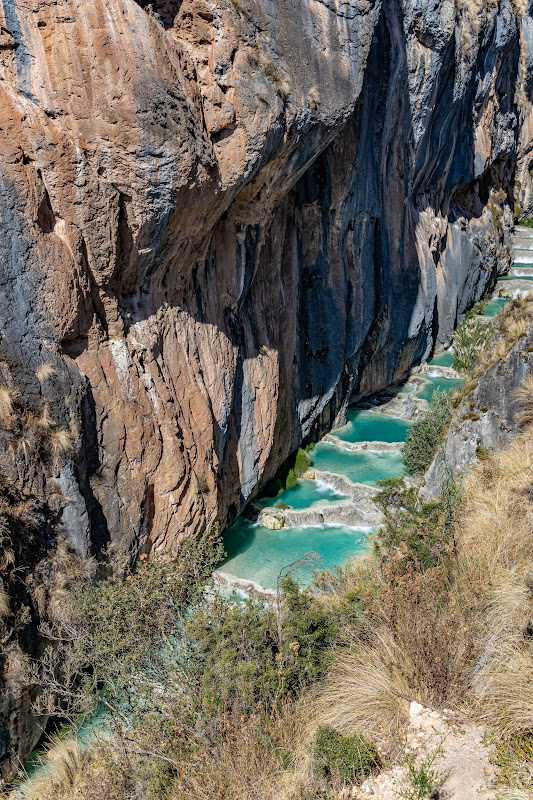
[
  {"x": 522, "y": 251},
  {"x": 519, "y": 281}
]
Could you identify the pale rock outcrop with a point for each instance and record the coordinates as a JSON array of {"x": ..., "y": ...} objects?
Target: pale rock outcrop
[{"x": 487, "y": 417}]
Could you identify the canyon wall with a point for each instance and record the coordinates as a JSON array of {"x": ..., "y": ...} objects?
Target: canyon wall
[
  {"x": 489, "y": 414},
  {"x": 223, "y": 221}
]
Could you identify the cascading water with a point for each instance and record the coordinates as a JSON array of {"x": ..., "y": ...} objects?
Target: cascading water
[{"x": 257, "y": 554}]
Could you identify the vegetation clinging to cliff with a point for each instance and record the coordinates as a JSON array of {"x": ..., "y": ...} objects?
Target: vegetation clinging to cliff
[
  {"x": 424, "y": 436},
  {"x": 112, "y": 640},
  {"x": 470, "y": 340}
]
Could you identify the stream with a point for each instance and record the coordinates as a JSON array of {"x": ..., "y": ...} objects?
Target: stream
[{"x": 256, "y": 553}]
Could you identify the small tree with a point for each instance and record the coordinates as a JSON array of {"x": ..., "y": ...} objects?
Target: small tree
[{"x": 424, "y": 436}]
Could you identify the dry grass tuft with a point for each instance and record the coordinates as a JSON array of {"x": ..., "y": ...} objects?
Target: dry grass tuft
[
  {"x": 7, "y": 395},
  {"x": 244, "y": 768},
  {"x": 524, "y": 396},
  {"x": 504, "y": 687},
  {"x": 517, "y": 328},
  {"x": 493, "y": 528},
  {"x": 63, "y": 769},
  {"x": 498, "y": 352},
  {"x": 61, "y": 442},
  {"x": 496, "y": 558},
  {"x": 5, "y": 608},
  {"x": 46, "y": 421},
  {"x": 367, "y": 690},
  {"x": 26, "y": 444},
  {"x": 44, "y": 372}
]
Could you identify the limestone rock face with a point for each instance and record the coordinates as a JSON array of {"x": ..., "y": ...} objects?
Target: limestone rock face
[
  {"x": 487, "y": 417},
  {"x": 223, "y": 221}
]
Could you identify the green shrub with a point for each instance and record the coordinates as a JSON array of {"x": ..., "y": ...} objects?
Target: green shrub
[
  {"x": 479, "y": 308},
  {"x": 116, "y": 640},
  {"x": 239, "y": 660},
  {"x": 350, "y": 758},
  {"x": 292, "y": 480},
  {"x": 412, "y": 527},
  {"x": 497, "y": 214},
  {"x": 424, "y": 779},
  {"x": 302, "y": 461},
  {"x": 424, "y": 436},
  {"x": 510, "y": 756},
  {"x": 470, "y": 341}
]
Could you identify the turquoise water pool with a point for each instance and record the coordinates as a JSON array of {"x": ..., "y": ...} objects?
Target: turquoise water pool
[
  {"x": 361, "y": 467},
  {"x": 371, "y": 426},
  {"x": 257, "y": 553},
  {"x": 528, "y": 277},
  {"x": 437, "y": 383},
  {"x": 306, "y": 494},
  {"x": 495, "y": 306},
  {"x": 444, "y": 359}
]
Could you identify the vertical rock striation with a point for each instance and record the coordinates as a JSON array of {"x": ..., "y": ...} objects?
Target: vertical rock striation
[{"x": 223, "y": 221}]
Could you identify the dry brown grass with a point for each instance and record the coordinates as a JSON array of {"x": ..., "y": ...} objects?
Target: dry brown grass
[
  {"x": 5, "y": 606},
  {"x": 367, "y": 690},
  {"x": 27, "y": 443},
  {"x": 67, "y": 569},
  {"x": 240, "y": 768},
  {"x": 63, "y": 769},
  {"x": 524, "y": 396},
  {"x": 46, "y": 420},
  {"x": 495, "y": 538},
  {"x": 494, "y": 527},
  {"x": 7, "y": 395},
  {"x": 61, "y": 442},
  {"x": 243, "y": 769},
  {"x": 44, "y": 372},
  {"x": 517, "y": 328},
  {"x": 503, "y": 687}
]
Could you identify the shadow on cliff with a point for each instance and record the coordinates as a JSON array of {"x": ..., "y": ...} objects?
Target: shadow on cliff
[
  {"x": 330, "y": 276},
  {"x": 165, "y": 10},
  {"x": 350, "y": 232}
]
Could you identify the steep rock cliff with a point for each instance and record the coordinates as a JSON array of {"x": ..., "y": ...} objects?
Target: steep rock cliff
[
  {"x": 488, "y": 416},
  {"x": 223, "y": 221}
]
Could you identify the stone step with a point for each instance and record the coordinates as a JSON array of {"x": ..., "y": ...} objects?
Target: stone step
[
  {"x": 356, "y": 447},
  {"x": 521, "y": 272},
  {"x": 356, "y": 510},
  {"x": 523, "y": 231},
  {"x": 364, "y": 514},
  {"x": 517, "y": 287},
  {"x": 523, "y": 244},
  {"x": 523, "y": 257},
  {"x": 436, "y": 371}
]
